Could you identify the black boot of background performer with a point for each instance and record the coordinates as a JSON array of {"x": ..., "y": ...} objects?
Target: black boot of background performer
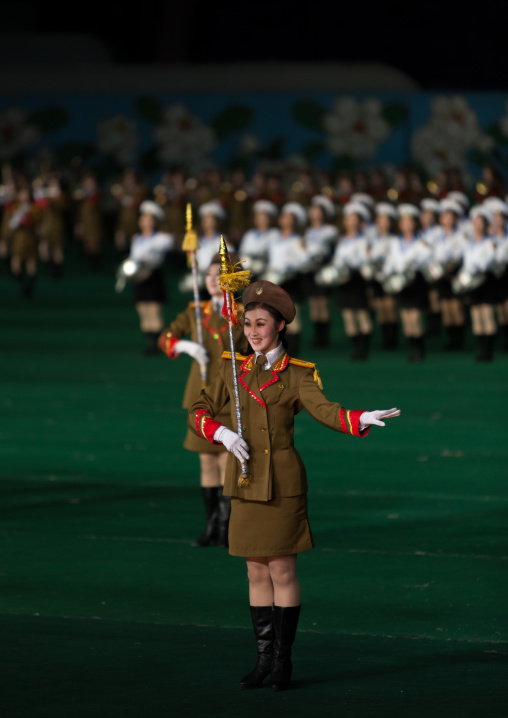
[
  {"x": 224, "y": 510},
  {"x": 417, "y": 349},
  {"x": 321, "y": 335},
  {"x": 262, "y": 617},
  {"x": 211, "y": 499},
  {"x": 293, "y": 342},
  {"x": 285, "y": 622},
  {"x": 152, "y": 348}
]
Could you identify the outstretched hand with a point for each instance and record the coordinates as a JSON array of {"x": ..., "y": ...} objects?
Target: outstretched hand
[
  {"x": 233, "y": 443},
  {"x": 369, "y": 418}
]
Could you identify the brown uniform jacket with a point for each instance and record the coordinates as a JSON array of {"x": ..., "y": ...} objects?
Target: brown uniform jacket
[
  {"x": 215, "y": 339},
  {"x": 269, "y": 402}
]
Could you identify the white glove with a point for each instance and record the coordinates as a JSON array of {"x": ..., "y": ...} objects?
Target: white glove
[
  {"x": 368, "y": 418},
  {"x": 193, "y": 349},
  {"x": 233, "y": 443}
]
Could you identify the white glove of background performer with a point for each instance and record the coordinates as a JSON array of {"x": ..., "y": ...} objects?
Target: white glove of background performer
[
  {"x": 233, "y": 443},
  {"x": 376, "y": 417},
  {"x": 193, "y": 349}
]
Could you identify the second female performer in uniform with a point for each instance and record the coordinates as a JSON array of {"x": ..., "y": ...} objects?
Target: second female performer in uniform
[
  {"x": 212, "y": 459},
  {"x": 269, "y": 525}
]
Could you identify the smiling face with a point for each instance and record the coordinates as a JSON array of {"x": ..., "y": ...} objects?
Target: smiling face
[
  {"x": 212, "y": 281},
  {"x": 261, "y": 330}
]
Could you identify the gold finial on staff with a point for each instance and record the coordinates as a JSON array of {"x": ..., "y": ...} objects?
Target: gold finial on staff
[{"x": 190, "y": 241}]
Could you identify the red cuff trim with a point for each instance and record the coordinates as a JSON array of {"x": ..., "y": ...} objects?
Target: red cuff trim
[
  {"x": 349, "y": 420},
  {"x": 206, "y": 426},
  {"x": 354, "y": 421},
  {"x": 167, "y": 345}
]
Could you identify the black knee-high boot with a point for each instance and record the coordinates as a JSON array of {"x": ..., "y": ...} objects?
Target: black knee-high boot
[
  {"x": 262, "y": 620},
  {"x": 293, "y": 342},
  {"x": 151, "y": 344},
  {"x": 224, "y": 510},
  {"x": 285, "y": 622},
  {"x": 417, "y": 349},
  {"x": 434, "y": 324},
  {"x": 211, "y": 500},
  {"x": 321, "y": 334}
]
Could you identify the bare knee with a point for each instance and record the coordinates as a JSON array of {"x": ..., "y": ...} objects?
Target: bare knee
[
  {"x": 283, "y": 573},
  {"x": 257, "y": 572}
]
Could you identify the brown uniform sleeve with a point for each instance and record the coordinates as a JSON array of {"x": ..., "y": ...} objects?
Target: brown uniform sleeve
[
  {"x": 209, "y": 404},
  {"x": 329, "y": 413},
  {"x": 179, "y": 328}
]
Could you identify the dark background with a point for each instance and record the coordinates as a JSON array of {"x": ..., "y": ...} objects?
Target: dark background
[{"x": 440, "y": 45}]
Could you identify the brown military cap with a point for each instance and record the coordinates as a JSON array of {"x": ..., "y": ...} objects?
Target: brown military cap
[
  {"x": 233, "y": 258},
  {"x": 271, "y": 294}
]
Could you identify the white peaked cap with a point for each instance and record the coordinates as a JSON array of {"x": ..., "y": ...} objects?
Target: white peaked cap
[
  {"x": 459, "y": 197},
  {"x": 264, "y": 205},
  {"x": 149, "y": 207},
  {"x": 364, "y": 198},
  {"x": 430, "y": 205},
  {"x": 495, "y": 205},
  {"x": 326, "y": 204},
  {"x": 451, "y": 205},
  {"x": 409, "y": 210},
  {"x": 356, "y": 208},
  {"x": 480, "y": 211},
  {"x": 385, "y": 209},
  {"x": 214, "y": 208},
  {"x": 296, "y": 209}
]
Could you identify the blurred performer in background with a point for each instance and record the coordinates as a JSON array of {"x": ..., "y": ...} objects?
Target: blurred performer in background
[
  {"x": 287, "y": 258},
  {"x": 212, "y": 216},
  {"x": 429, "y": 222},
  {"x": 351, "y": 254},
  {"x": 256, "y": 242},
  {"x": 172, "y": 196},
  {"x": 22, "y": 218},
  {"x": 402, "y": 275},
  {"x": 7, "y": 201},
  {"x": 52, "y": 203},
  {"x": 148, "y": 249},
  {"x": 499, "y": 230},
  {"x": 448, "y": 249},
  {"x": 89, "y": 225},
  {"x": 212, "y": 457},
  {"x": 478, "y": 262},
  {"x": 129, "y": 194},
  {"x": 320, "y": 239},
  {"x": 381, "y": 244}
]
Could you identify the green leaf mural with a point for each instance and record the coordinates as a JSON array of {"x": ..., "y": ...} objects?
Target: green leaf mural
[
  {"x": 49, "y": 119},
  {"x": 150, "y": 109},
  {"x": 232, "y": 119},
  {"x": 308, "y": 114},
  {"x": 395, "y": 113}
]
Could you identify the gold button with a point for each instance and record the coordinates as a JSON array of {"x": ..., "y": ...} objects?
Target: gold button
[
  {"x": 266, "y": 451},
  {"x": 263, "y": 428},
  {"x": 215, "y": 336}
]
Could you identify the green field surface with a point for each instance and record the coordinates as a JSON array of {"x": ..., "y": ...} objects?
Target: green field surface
[{"x": 106, "y": 608}]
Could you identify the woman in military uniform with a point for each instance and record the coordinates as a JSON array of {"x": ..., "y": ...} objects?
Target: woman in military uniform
[
  {"x": 22, "y": 218},
  {"x": 129, "y": 194},
  {"x": 52, "y": 203},
  {"x": 89, "y": 225},
  {"x": 269, "y": 525},
  {"x": 215, "y": 339}
]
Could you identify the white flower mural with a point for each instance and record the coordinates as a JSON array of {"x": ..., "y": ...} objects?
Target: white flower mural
[
  {"x": 16, "y": 133},
  {"x": 355, "y": 128},
  {"x": 183, "y": 139},
  {"x": 450, "y": 133},
  {"x": 117, "y": 138}
]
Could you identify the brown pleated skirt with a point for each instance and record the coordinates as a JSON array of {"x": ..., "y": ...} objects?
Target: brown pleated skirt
[{"x": 269, "y": 528}]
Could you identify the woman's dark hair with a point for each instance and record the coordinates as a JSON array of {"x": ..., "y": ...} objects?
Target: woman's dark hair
[{"x": 273, "y": 313}]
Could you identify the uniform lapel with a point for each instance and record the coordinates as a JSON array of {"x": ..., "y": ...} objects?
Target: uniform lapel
[
  {"x": 247, "y": 379},
  {"x": 279, "y": 366}
]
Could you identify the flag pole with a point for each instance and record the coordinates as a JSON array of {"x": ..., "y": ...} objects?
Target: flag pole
[
  {"x": 231, "y": 282},
  {"x": 191, "y": 245}
]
